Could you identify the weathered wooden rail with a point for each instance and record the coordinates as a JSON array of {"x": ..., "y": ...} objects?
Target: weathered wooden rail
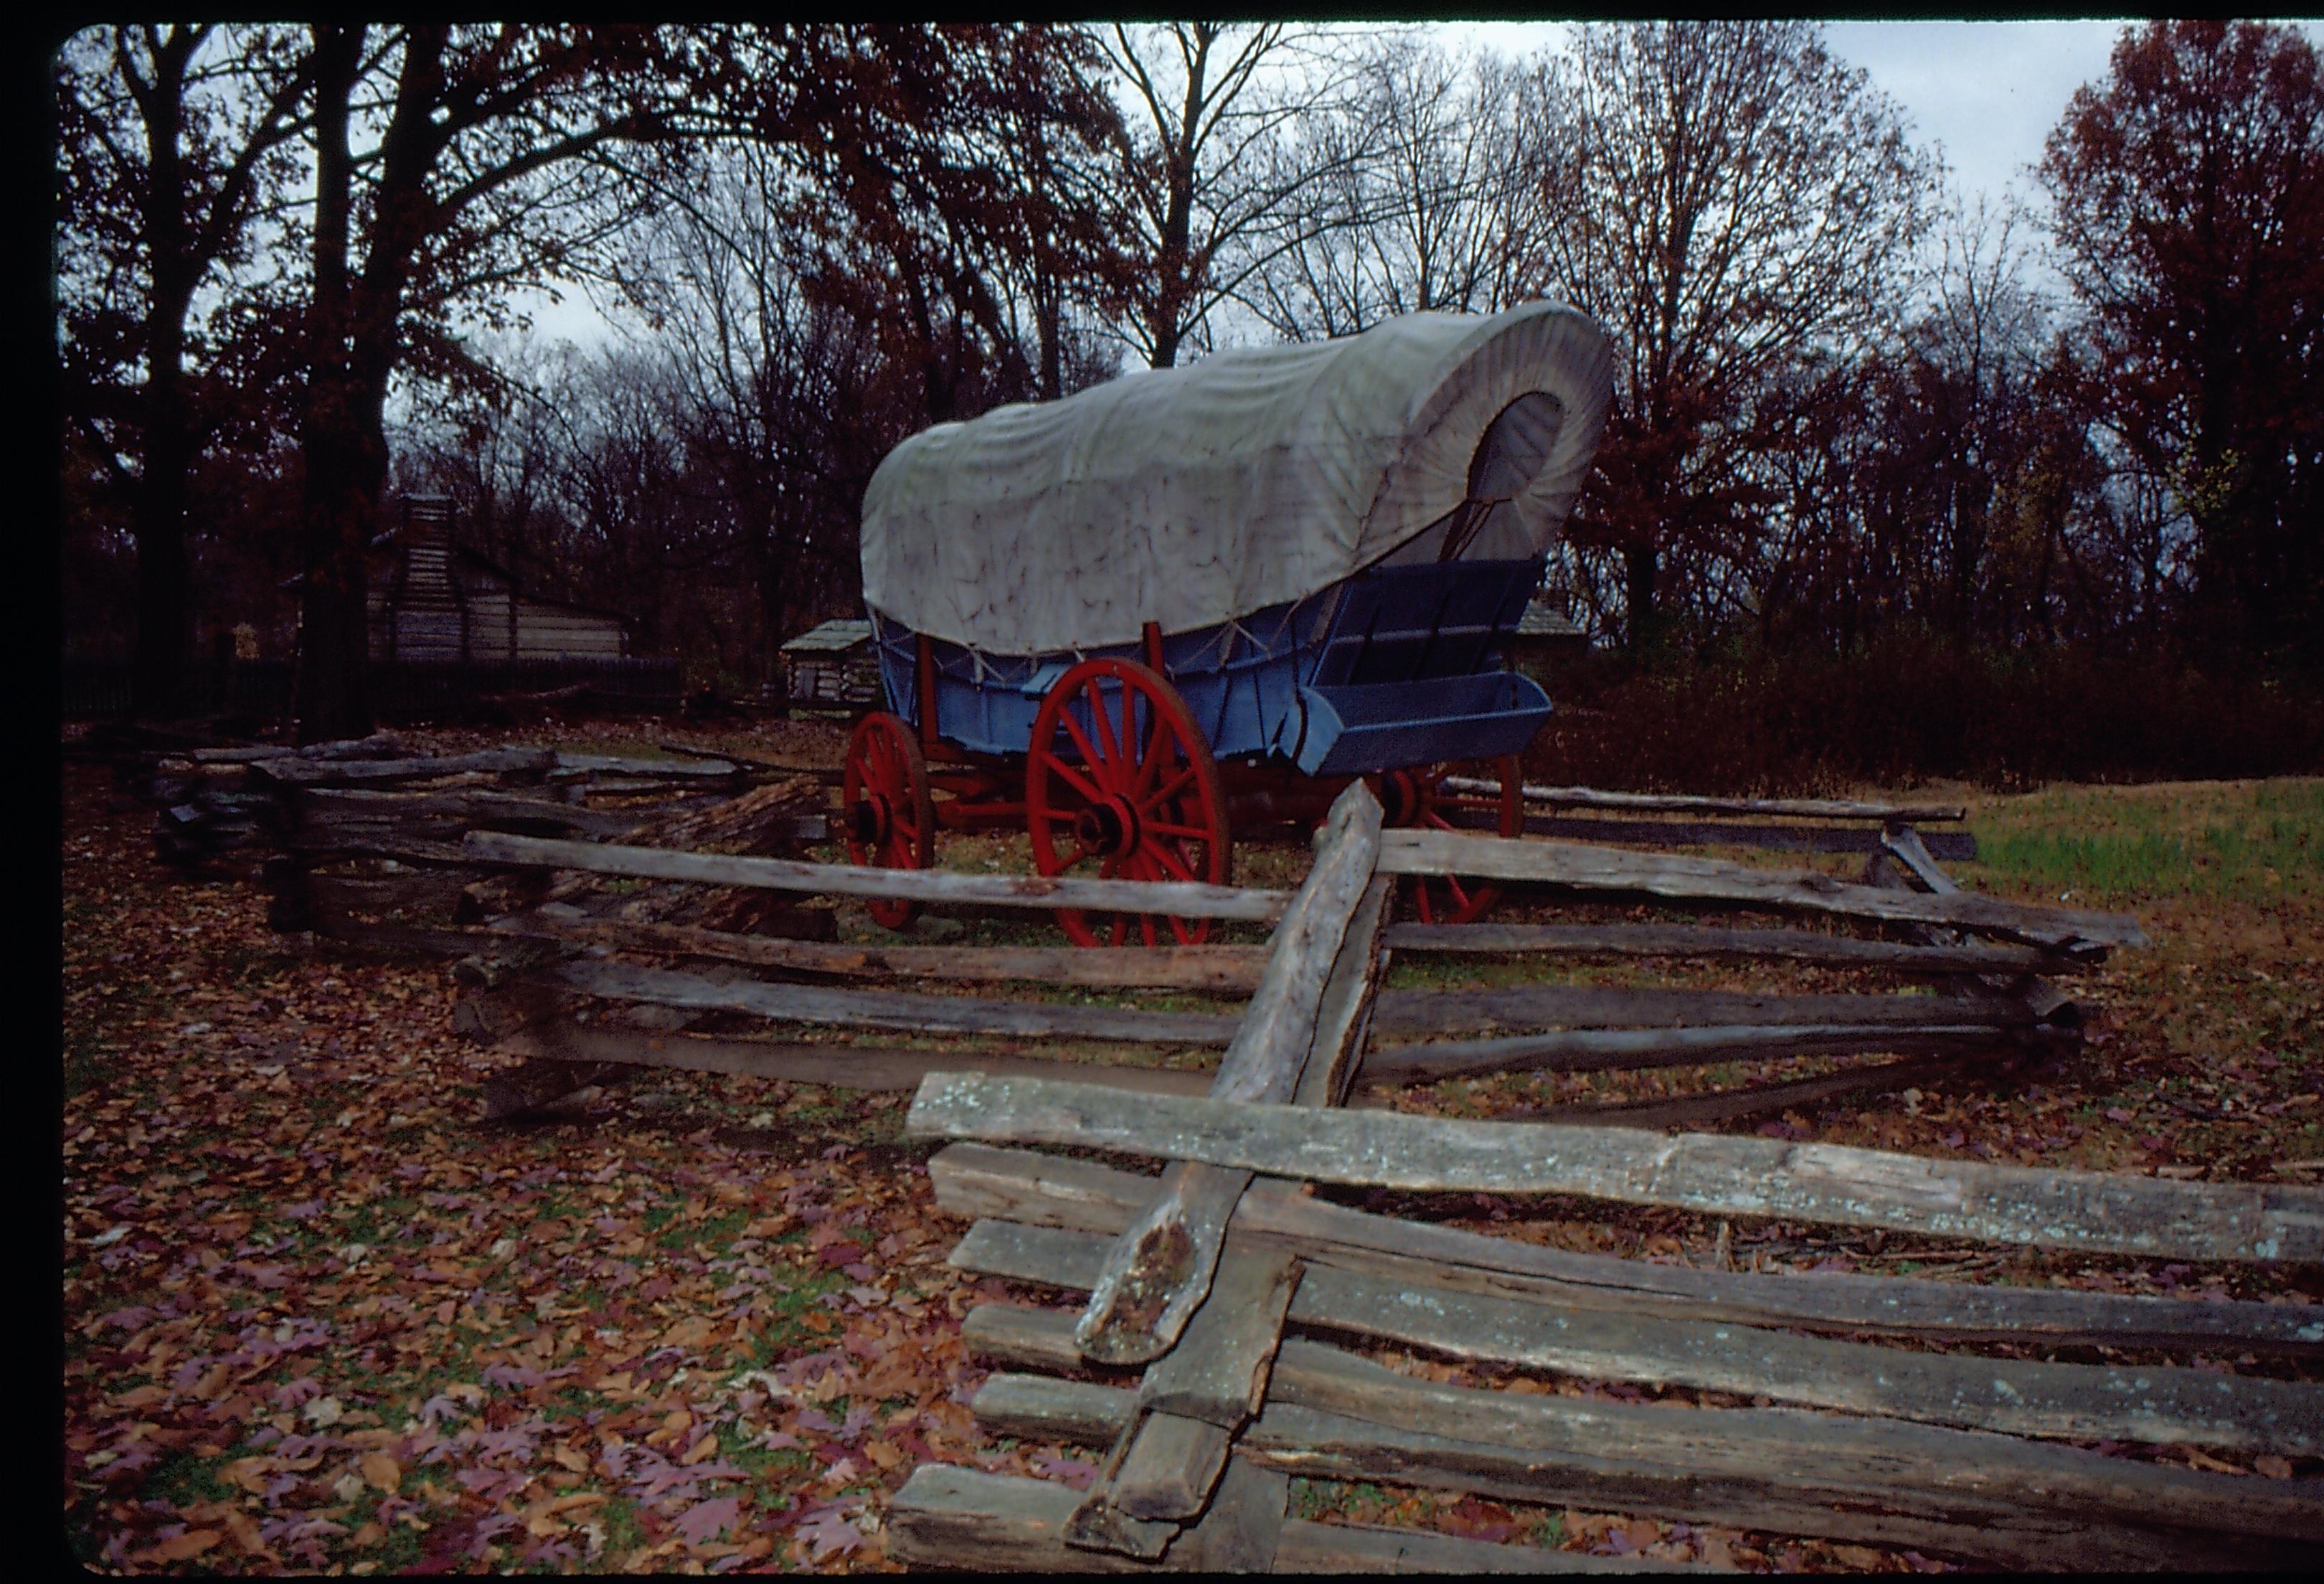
[
  {"x": 355, "y": 798},
  {"x": 1225, "y": 1327},
  {"x": 425, "y": 859},
  {"x": 1242, "y": 1295}
]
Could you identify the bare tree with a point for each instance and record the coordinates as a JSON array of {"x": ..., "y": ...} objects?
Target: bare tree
[
  {"x": 451, "y": 167},
  {"x": 1212, "y": 163},
  {"x": 2189, "y": 195},
  {"x": 175, "y": 140},
  {"x": 785, "y": 402},
  {"x": 1728, "y": 199},
  {"x": 1419, "y": 193}
]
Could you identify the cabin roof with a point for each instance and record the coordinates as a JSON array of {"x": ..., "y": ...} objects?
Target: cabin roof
[
  {"x": 1541, "y": 621},
  {"x": 832, "y": 637}
]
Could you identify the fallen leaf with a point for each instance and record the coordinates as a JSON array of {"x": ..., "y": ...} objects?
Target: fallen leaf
[
  {"x": 381, "y": 1472},
  {"x": 703, "y": 1523},
  {"x": 183, "y": 1548},
  {"x": 830, "y": 1534},
  {"x": 1074, "y": 1471},
  {"x": 244, "y": 1528}
]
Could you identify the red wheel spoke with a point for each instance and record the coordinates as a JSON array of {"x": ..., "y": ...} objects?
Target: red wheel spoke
[
  {"x": 1177, "y": 784},
  {"x": 1128, "y": 737},
  {"x": 1142, "y": 867},
  {"x": 1104, "y": 725},
  {"x": 1146, "y": 771},
  {"x": 1077, "y": 781},
  {"x": 1168, "y": 860},
  {"x": 1082, "y": 742},
  {"x": 1157, "y": 742}
]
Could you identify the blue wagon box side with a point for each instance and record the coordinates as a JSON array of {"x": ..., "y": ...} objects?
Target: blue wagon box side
[{"x": 1396, "y": 667}]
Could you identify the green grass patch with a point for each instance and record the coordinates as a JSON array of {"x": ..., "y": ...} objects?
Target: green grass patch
[
  {"x": 2257, "y": 842},
  {"x": 782, "y": 1325},
  {"x": 714, "y": 1232},
  {"x": 83, "y": 1064},
  {"x": 400, "y": 1551},
  {"x": 623, "y": 1533},
  {"x": 183, "y": 1479}
]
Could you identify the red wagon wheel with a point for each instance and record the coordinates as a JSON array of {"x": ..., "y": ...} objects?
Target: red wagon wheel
[
  {"x": 890, "y": 821},
  {"x": 1119, "y": 785},
  {"x": 1417, "y": 798}
]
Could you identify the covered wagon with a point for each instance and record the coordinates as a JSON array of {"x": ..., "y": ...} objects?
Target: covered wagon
[{"x": 1192, "y": 598}]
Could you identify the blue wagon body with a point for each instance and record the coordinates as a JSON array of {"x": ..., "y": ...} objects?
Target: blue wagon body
[{"x": 1397, "y": 666}]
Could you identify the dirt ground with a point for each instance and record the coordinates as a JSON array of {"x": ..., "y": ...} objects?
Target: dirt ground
[{"x": 318, "y": 1318}]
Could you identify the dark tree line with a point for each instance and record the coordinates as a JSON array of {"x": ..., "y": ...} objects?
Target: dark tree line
[{"x": 292, "y": 259}]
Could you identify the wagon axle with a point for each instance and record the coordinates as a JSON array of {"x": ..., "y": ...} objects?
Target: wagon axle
[
  {"x": 1108, "y": 828},
  {"x": 867, "y": 820}
]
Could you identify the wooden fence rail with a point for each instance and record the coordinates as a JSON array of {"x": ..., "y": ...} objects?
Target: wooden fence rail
[
  {"x": 1710, "y": 1173},
  {"x": 1223, "y": 1308},
  {"x": 1586, "y": 797},
  {"x": 1575, "y": 866},
  {"x": 1222, "y": 1276},
  {"x": 1177, "y": 897}
]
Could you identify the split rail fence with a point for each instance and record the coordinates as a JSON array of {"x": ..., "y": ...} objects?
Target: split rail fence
[
  {"x": 389, "y": 852},
  {"x": 1218, "y": 1315},
  {"x": 1216, "y": 1354}
]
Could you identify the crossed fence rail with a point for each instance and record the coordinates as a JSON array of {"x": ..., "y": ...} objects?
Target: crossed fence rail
[{"x": 1216, "y": 1316}]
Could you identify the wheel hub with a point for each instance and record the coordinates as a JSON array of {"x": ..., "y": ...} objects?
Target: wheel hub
[
  {"x": 868, "y": 820},
  {"x": 1110, "y": 826}
]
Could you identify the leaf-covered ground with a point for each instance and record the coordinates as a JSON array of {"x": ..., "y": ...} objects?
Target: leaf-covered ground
[{"x": 318, "y": 1318}]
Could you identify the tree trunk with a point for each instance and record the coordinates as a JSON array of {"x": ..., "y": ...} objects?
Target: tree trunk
[
  {"x": 157, "y": 512},
  {"x": 1640, "y": 563},
  {"x": 328, "y": 701},
  {"x": 158, "y": 520},
  {"x": 355, "y": 321},
  {"x": 1049, "y": 311}
]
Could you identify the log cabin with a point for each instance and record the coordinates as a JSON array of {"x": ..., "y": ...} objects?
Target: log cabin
[
  {"x": 1547, "y": 637},
  {"x": 439, "y": 602},
  {"x": 833, "y": 667}
]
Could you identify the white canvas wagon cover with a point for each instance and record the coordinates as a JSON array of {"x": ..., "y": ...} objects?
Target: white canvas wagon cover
[{"x": 1191, "y": 496}]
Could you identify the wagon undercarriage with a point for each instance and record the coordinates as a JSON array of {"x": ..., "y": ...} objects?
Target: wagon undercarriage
[{"x": 1145, "y": 768}]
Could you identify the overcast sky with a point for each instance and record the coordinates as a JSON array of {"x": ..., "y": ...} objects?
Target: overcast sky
[{"x": 1987, "y": 92}]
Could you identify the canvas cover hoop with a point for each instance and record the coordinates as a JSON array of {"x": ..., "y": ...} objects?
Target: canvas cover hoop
[{"x": 1191, "y": 496}]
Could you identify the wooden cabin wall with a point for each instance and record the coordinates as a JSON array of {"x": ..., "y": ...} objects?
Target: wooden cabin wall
[
  {"x": 544, "y": 630},
  {"x": 484, "y": 621}
]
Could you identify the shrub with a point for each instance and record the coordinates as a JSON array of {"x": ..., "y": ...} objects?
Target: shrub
[{"x": 1909, "y": 708}]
